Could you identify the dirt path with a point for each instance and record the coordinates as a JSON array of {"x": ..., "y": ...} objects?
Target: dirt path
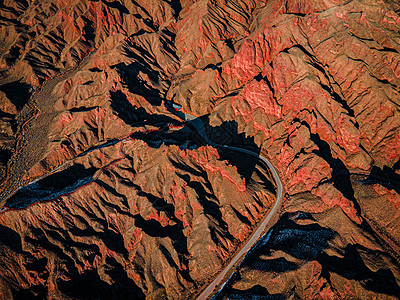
[{"x": 225, "y": 274}]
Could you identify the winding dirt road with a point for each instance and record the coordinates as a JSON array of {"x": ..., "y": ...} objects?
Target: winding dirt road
[{"x": 222, "y": 277}]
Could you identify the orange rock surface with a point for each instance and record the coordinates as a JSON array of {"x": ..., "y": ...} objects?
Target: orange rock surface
[{"x": 107, "y": 194}]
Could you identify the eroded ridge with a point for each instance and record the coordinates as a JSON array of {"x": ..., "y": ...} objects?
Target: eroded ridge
[{"x": 137, "y": 203}]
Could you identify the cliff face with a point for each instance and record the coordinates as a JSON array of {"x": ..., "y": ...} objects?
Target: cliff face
[{"x": 126, "y": 200}]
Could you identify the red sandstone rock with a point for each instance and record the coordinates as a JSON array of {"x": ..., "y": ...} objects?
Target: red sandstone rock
[{"x": 134, "y": 203}]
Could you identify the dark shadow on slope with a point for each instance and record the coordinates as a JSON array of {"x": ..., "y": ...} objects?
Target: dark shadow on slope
[
  {"x": 67, "y": 177},
  {"x": 386, "y": 177},
  {"x": 340, "y": 174},
  {"x": 396, "y": 165},
  {"x": 307, "y": 242},
  {"x": 88, "y": 31},
  {"x": 136, "y": 85},
  {"x": 137, "y": 116},
  {"x": 17, "y": 92},
  {"x": 13, "y": 55},
  {"x": 51, "y": 187},
  {"x": 89, "y": 285},
  {"x": 241, "y": 218},
  {"x": 10, "y": 239},
  {"x": 117, "y": 5},
  {"x": 352, "y": 267},
  {"x": 179, "y": 240},
  {"x": 62, "y": 242},
  {"x": 43, "y": 68},
  {"x": 226, "y": 134},
  {"x": 176, "y": 6},
  {"x": 304, "y": 242},
  {"x": 256, "y": 292},
  {"x": 64, "y": 238},
  {"x": 210, "y": 208},
  {"x": 175, "y": 233},
  {"x": 154, "y": 229},
  {"x": 130, "y": 74},
  {"x": 125, "y": 110},
  {"x": 159, "y": 204},
  {"x": 5, "y": 156},
  {"x": 35, "y": 292},
  {"x": 142, "y": 75},
  {"x": 188, "y": 137},
  {"x": 76, "y": 285},
  {"x": 9, "y": 119}
]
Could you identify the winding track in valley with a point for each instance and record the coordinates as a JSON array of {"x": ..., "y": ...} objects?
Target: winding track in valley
[{"x": 222, "y": 277}]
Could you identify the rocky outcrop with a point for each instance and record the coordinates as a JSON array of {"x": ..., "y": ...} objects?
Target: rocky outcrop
[{"x": 108, "y": 194}]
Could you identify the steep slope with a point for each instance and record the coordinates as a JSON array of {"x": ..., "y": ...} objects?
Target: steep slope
[{"x": 107, "y": 194}]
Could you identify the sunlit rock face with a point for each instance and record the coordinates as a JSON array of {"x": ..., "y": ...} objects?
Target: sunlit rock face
[{"x": 108, "y": 194}]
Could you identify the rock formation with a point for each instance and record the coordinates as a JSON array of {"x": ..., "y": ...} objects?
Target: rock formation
[{"x": 107, "y": 194}]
